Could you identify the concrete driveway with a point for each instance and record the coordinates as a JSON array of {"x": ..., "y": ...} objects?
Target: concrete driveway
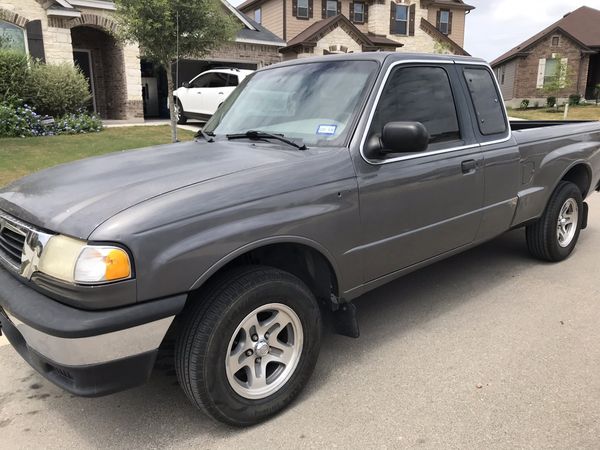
[{"x": 489, "y": 349}]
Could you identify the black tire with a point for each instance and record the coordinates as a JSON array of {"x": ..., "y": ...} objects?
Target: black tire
[
  {"x": 542, "y": 239},
  {"x": 181, "y": 119},
  {"x": 208, "y": 326}
]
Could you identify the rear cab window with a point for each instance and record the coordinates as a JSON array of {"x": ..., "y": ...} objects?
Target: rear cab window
[{"x": 487, "y": 104}]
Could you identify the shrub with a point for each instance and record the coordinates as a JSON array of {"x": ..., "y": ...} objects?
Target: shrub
[
  {"x": 23, "y": 121},
  {"x": 574, "y": 99},
  {"x": 525, "y": 104},
  {"x": 14, "y": 77},
  {"x": 78, "y": 123},
  {"x": 551, "y": 102},
  {"x": 20, "y": 121},
  {"x": 56, "y": 90}
]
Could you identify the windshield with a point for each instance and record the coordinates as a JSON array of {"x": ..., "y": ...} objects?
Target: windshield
[{"x": 315, "y": 102}]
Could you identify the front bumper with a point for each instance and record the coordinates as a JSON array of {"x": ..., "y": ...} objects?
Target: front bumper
[{"x": 88, "y": 353}]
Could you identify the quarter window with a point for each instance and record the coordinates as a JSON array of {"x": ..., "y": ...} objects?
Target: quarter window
[
  {"x": 12, "y": 37},
  {"x": 486, "y": 101},
  {"x": 302, "y": 9},
  {"x": 408, "y": 97}
]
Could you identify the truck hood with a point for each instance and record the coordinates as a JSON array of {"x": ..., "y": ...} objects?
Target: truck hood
[{"x": 75, "y": 198}]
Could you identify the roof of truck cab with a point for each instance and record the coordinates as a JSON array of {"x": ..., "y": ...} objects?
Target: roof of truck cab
[{"x": 382, "y": 57}]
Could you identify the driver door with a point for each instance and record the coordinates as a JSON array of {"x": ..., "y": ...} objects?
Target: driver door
[{"x": 416, "y": 206}]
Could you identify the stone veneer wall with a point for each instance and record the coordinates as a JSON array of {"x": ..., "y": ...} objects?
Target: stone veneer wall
[
  {"x": 58, "y": 48},
  {"x": 261, "y": 55}
]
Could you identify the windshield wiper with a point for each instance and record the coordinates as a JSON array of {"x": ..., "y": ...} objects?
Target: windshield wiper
[{"x": 255, "y": 135}]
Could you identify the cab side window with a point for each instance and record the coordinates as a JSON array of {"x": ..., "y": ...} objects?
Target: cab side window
[
  {"x": 486, "y": 101},
  {"x": 210, "y": 80},
  {"x": 419, "y": 94}
]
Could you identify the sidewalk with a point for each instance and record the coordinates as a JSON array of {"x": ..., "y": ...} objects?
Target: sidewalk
[{"x": 194, "y": 126}]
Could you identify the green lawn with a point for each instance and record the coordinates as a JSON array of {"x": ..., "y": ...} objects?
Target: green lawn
[
  {"x": 591, "y": 112},
  {"x": 21, "y": 156}
]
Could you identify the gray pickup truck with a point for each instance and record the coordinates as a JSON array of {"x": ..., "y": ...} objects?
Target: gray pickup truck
[{"x": 316, "y": 181}]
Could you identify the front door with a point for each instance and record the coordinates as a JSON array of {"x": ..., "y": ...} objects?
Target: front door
[
  {"x": 415, "y": 206},
  {"x": 83, "y": 60}
]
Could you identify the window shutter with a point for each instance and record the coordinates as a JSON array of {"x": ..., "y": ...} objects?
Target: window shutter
[
  {"x": 294, "y": 8},
  {"x": 564, "y": 67},
  {"x": 339, "y": 7},
  {"x": 450, "y": 22},
  {"x": 310, "y": 9},
  {"x": 392, "y": 18},
  {"x": 323, "y": 9},
  {"x": 438, "y": 23},
  {"x": 351, "y": 12},
  {"x": 366, "y": 7},
  {"x": 411, "y": 20},
  {"x": 35, "y": 40},
  {"x": 541, "y": 73}
]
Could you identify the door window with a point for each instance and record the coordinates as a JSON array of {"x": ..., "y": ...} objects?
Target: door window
[
  {"x": 419, "y": 94},
  {"x": 233, "y": 80}
]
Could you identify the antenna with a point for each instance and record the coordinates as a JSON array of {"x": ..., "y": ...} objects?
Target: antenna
[{"x": 177, "y": 67}]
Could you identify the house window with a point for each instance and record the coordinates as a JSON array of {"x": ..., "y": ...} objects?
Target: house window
[
  {"x": 302, "y": 9},
  {"x": 12, "y": 37},
  {"x": 258, "y": 15},
  {"x": 331, "y": 6},
  {"x": 359, "y": 12},
  {"x": 551, "y": 71},
  {"x": 502, "y": 74},
  {"x": 555, "y": 41},
  {"x": 445, "y": 21},
  {"x": 401, "y": 20}
]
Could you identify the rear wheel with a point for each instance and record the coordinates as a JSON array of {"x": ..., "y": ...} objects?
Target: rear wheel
[
  {"x": 180, "y": 113},
  {"x": 247, "y": 349},
  {"x": 554, "y": 236}
]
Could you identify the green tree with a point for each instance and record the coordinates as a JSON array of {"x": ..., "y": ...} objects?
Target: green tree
[
  {"x": 559, "y": 80},
  {"x": 168, "y": 29}
]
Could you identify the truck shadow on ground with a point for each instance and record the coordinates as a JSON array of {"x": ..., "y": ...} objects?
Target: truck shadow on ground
[{"x": 158, "y": 413}]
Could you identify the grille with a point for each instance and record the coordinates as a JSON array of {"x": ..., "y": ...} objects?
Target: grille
[{"x": 11, "y": 245}]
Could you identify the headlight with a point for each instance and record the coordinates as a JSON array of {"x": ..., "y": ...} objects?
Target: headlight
[{"x": 75, "y": 261}]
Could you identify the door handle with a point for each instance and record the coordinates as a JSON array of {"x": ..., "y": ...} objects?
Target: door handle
[
  {"x": 221, "y": 93},
  {"x": 469, "y": 166},
  {"x": 198, "y": 92}
]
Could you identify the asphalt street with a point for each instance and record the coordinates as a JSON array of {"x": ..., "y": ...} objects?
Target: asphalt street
[{"x": 488, "y": 349}]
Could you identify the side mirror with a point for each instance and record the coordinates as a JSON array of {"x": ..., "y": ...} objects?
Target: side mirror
[
  {"x": 186, "y": 85},
  {"x": 404, "y": 137}
]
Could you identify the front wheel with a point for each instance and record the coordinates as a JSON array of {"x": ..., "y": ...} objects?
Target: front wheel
[
  {"x": 248, "y": 347},
  {"x": 554, "y": 236}
]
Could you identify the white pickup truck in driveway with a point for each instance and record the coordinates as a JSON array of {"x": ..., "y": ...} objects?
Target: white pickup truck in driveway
[{"x": 200, "y": 98}]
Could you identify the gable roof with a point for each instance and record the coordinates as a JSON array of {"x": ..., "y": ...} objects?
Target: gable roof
[
  {"x": 580, "y": 25},
  {"x": 442, "y": 38},
  {"x": 312, "y": 34},
  {"x": 258, "y": 35}
]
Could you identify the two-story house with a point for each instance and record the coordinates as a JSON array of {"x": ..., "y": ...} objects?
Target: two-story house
[{"x": 317, "y": 27}]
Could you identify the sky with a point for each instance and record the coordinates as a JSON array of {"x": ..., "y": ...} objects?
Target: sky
[{"x": 496, "y": 26}]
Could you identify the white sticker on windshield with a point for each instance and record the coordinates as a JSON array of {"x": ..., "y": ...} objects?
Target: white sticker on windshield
[{"x": 328, "y": 130}]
